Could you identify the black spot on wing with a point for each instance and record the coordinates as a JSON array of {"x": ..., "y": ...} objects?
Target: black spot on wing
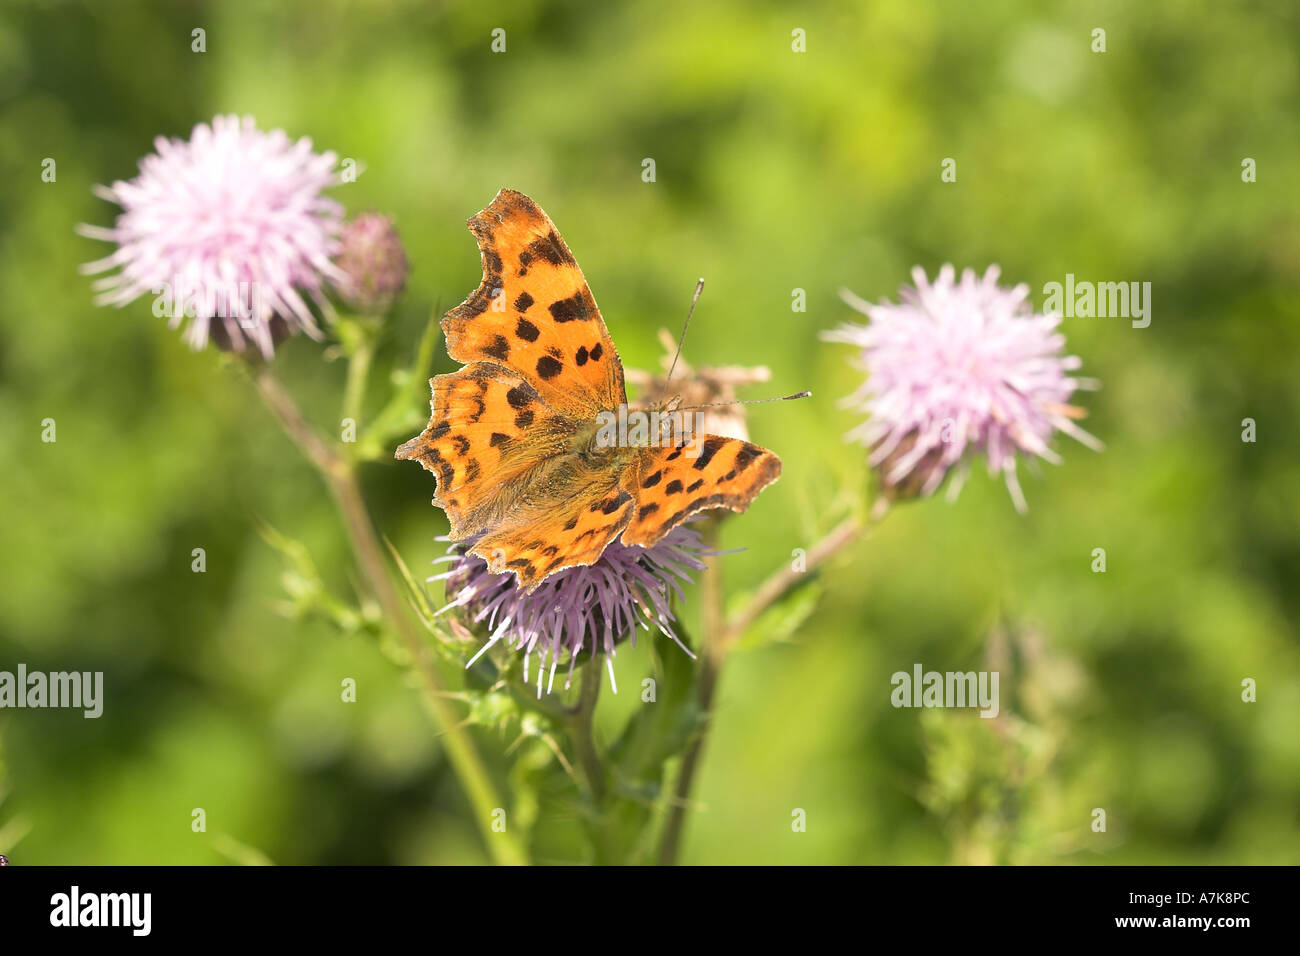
[
  {"x": 699, "y": 504},
  {"x": 572, "y": 309},
  {"x": 610, "y": 505},
  {"x": 550, "y": 248},
  {"x": 524, "y": 567},
  {"x": 711, "y": 447},
  {"x": 745, "y": 457},
  {"x": 548, "y": 368}
]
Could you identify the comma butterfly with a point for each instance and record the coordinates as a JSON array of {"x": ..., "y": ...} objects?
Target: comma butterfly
[{"x": 515, "y": 440}]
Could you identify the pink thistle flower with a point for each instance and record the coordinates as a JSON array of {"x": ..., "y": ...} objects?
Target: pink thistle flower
[
  {"x": 230, "y": 229},
  {"x": 956, "y": 370},
  {"x": 580, "y": 608}
]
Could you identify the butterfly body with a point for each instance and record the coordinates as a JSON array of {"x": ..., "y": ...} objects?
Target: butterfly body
[{"x": 520, "y": 438}]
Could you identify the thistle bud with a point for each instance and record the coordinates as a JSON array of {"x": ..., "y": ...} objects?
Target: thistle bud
[{"x": 373, "y": 261}]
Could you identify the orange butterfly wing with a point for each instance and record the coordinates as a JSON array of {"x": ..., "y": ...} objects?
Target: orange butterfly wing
[
  {"x": 546, "y": 535},
  {"x": 534, "y": 314},
  {"x": 671, "y": 484},
  {"x": 487, "y": 432}
]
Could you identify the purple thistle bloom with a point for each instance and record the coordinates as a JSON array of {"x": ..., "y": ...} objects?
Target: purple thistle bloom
[
  {"x": 580, "y": 608},
  {"x": 230, "y": 228},
  {"x": 956, "y": 370}
]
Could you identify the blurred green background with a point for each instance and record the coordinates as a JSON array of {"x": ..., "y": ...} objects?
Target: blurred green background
[{"x": 776, "y": 170}]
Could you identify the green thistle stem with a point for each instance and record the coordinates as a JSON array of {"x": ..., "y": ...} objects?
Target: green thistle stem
[
  {"x": 341, "y": 478},
  {"x": 584, "y": 738},
  {"x": 354, "y": 390},
  {"x": 721, "y": 635}
]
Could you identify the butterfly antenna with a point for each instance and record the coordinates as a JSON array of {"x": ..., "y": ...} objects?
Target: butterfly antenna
[
  {"x": 699, "y": 287},
  {"x": 748, "y": 401}
]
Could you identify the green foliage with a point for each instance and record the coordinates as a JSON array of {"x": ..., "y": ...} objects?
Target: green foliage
[
  {"x": 1000, "y": 784},
  {"x": 775, "y": 171}
]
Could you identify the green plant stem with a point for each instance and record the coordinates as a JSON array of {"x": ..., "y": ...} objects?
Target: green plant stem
[
  {"x": 714, "y": 653},
  {"x": 340, "y": 476},
  {"x": 584, "y": 738},
  {"x": 354, "y": 389},
  {"x": 781, "y": 581},
  {"x": 720, "y": 636}
]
